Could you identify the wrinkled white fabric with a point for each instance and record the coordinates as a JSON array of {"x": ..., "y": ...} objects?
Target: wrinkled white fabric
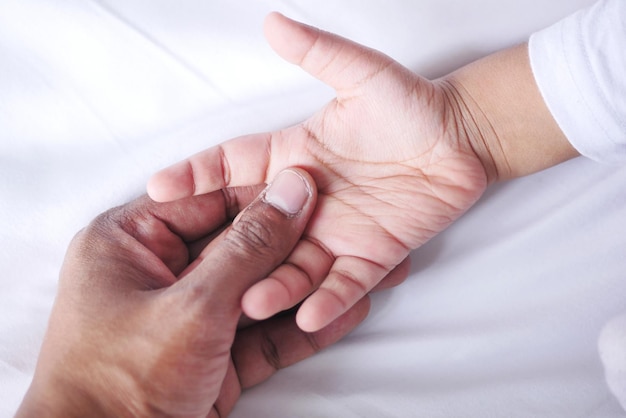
[
  {"x": 579, "y": 64},
  {"x": 612, "y": 346},
  {"x": 580, "y": 67}
]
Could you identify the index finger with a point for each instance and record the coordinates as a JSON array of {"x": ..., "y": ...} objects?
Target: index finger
[{"x": 239, "y": 161}]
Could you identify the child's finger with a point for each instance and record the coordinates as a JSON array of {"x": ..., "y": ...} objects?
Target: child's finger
[
  {"x": 243, "y": 161},
  {"x": 395, "y": 277},
  {"x": 302, "y": 272},
  {"x": 258, "y": 240},
  {"x": 336, "y": 61},
  {"x": 350, "y": 279}
]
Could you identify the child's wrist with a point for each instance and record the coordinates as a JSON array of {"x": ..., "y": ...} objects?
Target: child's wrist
[
  {"x": 504, "y": 118},
  {"x": 469, "y": 125}
]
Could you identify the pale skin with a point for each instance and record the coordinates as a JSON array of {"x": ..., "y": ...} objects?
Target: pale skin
[{"x": 397, "y": 158}]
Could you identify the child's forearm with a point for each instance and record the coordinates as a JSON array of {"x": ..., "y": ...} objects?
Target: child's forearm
[{"x": 507, "y": 122}]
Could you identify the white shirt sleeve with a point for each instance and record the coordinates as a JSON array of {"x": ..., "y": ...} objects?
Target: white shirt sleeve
[{"x": 579, "y": 65}]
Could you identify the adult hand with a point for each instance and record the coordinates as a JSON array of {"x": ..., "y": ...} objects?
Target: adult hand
[
  {"x": 392, "y": 166},
  {"x": 145, "y": 320}
]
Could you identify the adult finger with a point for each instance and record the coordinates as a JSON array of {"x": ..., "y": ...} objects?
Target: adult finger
[
  {"x": 259, "y": 351},
  {"x": 266, "y": 347},
  {"x": 197, "y": 216},
  {"x": 165, "y": 230},
  {"x": 259, "y": 239}
]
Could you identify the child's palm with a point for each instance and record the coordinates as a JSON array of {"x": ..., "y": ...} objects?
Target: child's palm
[{"x": 386, "y": 155}]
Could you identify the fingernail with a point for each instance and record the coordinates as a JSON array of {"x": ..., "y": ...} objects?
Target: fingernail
[{"x": 288, "y": 192}]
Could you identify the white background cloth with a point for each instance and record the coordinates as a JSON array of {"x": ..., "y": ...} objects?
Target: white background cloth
[
  {"x": 502, "y": 311},
  {"x": 579, "y": 64}
]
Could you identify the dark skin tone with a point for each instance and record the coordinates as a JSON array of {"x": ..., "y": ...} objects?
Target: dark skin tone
[{"x": 147, "y": 316}]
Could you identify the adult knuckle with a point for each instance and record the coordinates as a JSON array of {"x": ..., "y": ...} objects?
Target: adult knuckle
[
  {"x": 81, "y": 241},
  {"x": 252, "y": 235},
  {"x": 84, "y": 239},
  {"x": 98, "y": 234},
  {"x": 270, "y": 352},
  {"x": 313, "y": 342}
]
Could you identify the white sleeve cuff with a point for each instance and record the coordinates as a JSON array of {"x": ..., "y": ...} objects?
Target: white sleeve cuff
[{"x": 579, "y": 65}]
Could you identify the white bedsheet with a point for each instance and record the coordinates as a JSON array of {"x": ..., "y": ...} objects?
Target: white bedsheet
[{"x": 501, "y": 315}]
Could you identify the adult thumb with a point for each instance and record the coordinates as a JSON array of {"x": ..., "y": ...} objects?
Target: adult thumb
[{"x": 258, "y": 240}]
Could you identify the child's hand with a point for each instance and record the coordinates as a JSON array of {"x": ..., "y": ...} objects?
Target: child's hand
[{"x": 390, "y": 157}]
